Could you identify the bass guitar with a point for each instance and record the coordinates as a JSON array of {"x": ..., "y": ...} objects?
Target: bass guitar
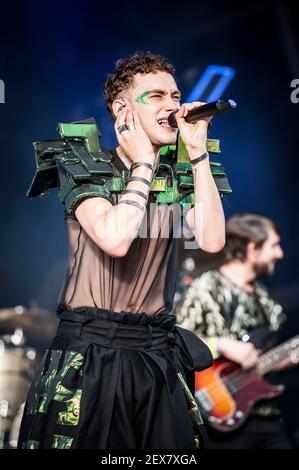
[{"x": 226, "y": 392}]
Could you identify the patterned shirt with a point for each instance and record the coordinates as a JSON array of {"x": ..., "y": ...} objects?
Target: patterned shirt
[{"x": 215, "y": 306}]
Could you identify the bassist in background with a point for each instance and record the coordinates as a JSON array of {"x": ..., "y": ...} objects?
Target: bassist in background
[{"x": 237, "y": 318}]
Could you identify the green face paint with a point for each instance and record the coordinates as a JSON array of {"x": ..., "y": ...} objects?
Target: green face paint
[{"x": 140, "y": 98}]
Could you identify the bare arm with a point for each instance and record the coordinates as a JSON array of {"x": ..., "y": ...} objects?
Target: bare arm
[
  {"x": 113, "y": 228},
  {"x": 206, "y": 218}
]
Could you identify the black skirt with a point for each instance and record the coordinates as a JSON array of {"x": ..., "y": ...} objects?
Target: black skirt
[{"x": 110, "y": 381}]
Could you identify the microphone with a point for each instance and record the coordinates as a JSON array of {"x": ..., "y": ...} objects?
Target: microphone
[{"x": 206, "y": 110}]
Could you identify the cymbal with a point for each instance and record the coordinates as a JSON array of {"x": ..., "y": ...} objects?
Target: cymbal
[
  {"x": 19, "y": 312},
  {"x": 36, "y": 323}
]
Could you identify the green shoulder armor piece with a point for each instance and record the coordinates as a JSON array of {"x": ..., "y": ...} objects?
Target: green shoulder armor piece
[
  {"x": 176, "y": 164},
  {"x": 76, "y": 164},
  {"x": 81, "y": 169}
]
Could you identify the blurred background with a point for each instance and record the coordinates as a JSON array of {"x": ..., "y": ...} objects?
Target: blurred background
[{"x": 54, "y": 58}]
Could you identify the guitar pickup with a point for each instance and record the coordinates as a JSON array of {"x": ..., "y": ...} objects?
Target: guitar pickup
[{"x": 204, "y": 400}]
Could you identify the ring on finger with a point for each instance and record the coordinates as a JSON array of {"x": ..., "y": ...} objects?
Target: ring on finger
[{"x": 123, "y": 128}]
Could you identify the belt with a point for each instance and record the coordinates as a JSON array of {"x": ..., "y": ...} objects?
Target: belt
[{"x": 133, "y": 331}]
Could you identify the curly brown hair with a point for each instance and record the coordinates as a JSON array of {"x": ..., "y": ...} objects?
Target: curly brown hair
[
  {"x": 126, "y": 69},
  {"x": 241, "y": 229}
]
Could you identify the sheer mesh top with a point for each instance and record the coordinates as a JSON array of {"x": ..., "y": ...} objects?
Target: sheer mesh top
[{"x": 143, "y": 281}]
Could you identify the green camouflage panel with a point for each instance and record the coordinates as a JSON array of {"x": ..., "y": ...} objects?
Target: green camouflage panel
[
  {"x": 48, "y": 387},
  {"x": 62, "y": 442},
  {"x": 72, "y": 399},
  {"x": 32, "y": 444},
  {"x": 57, "y": 366}
]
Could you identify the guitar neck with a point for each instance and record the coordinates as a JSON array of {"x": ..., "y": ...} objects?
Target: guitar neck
[{"x": 280, "y": 357}]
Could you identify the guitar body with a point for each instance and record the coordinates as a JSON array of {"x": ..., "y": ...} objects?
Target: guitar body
[{"x": 226, "y": 393}]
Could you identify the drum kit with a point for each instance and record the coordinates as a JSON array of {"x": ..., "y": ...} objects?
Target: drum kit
[{"x": 24, "y": 332}]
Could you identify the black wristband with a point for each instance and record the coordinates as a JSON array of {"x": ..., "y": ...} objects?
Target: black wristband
[
  {"x": 200, "y": 159},
  {"x": 135, "y": 191},
  {"x": 137, "y": 164},
  {"x": 139, "y": 178},
  {"x": 133, "y": 203}
]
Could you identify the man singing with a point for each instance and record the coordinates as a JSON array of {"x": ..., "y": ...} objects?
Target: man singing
[{"x": 116, "y": 372}]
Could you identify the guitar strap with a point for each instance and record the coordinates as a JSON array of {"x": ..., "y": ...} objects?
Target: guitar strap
[{"x": 201, "y": 438}]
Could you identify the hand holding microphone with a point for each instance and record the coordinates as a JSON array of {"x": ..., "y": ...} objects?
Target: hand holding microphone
[{"x": 206, "y": 110}]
